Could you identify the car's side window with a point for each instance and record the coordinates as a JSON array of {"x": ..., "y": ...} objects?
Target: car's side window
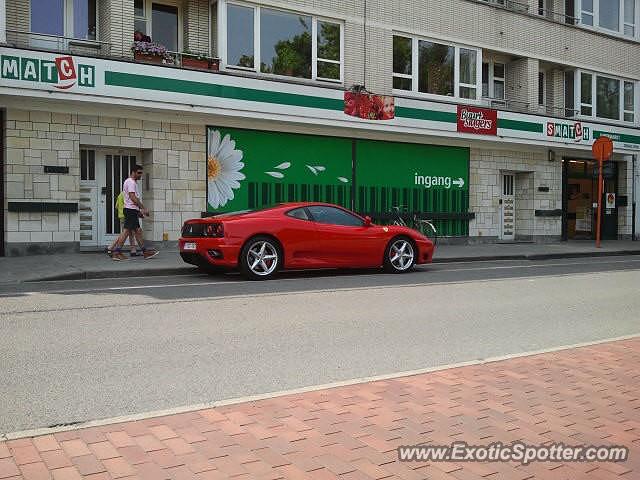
[
  {"x": 334, "y": 216},
  {"x": 299, "y": 213}
]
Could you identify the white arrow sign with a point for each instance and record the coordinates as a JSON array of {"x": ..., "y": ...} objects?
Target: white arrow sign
[{"x": 459, "y": 182}]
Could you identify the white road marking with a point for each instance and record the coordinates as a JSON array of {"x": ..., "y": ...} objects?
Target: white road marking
[{"x": 295, "y": 391}]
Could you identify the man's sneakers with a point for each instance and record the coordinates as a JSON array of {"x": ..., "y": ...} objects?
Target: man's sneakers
[
  {"x": 147, "y": 254},
  {"x": 118, "y": 257}
]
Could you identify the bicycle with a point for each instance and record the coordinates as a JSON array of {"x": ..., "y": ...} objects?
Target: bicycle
[{"x": 420, "y": 224}]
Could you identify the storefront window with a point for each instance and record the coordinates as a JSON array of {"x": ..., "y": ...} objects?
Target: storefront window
[
  {"x": 608, "y": 98},
  {"x": 288, "y": 43}
]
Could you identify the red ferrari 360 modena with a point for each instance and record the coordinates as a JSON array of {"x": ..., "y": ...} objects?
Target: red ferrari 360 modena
[{"x": 297, "y": 236}]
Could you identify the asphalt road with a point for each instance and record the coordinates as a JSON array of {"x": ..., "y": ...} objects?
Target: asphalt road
[{"x": 77, "y": 351}]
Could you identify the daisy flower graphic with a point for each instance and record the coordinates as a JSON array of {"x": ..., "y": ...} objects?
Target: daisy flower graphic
[{"x": 224, "y": 165}]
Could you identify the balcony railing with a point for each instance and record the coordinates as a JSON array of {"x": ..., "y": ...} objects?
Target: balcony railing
[
  {"x": 524, "y": 107},
  {"x": 41, "y": 41}
]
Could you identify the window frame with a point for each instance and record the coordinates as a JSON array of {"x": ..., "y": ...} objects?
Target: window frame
[
  {"x": 68, "y": 22},
  {"x": 222, "y": 42},
  {"x": 595, "y": 14},
  {"x": 542, "y": 92},
  {"x": 148, "y": 18},
  {"x": 415, "y": 71},
  {"x": 594, "y": 100},
  {"x": 491, "y": 79}
]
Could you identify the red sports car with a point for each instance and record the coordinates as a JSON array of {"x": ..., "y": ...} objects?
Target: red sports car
[{"x": 300, "y": 236}]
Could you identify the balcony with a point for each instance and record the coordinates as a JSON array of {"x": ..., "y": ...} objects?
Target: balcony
[{"x": 53, "y": 43}]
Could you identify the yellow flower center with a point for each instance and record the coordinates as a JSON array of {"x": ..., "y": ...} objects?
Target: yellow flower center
[{"x": 213, "y": 167}]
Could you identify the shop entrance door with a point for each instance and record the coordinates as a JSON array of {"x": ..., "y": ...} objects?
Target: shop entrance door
[
  {"x": 581, "y": 198},
  {"x": 102, "y": 174},
  {"x": 508, "y": 207},
  {"x": 112, "y": 170}
]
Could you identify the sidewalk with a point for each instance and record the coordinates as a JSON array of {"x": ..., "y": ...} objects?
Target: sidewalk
[
  {"x": 168, "y": 262},
  {"x": 587, "y": 395}
]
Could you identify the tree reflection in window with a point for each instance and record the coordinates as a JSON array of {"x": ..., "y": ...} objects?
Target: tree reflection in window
[
  {"x": 285, "y": 43},
  {"x": 435, "y": 68}
]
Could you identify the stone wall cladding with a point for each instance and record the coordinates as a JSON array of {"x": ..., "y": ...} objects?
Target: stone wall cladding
[
  {"x": 173, "y": 153},
  {"x": 485, "y": 189}
]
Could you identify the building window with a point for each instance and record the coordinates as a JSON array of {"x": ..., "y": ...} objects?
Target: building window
[
  {"x": 436, "y": 68},
  {"x": 493, "y": 75},
  {"x": 160, "y": 22},
  {"x": 609, "y": 15},
  {"x": 629, "y": 97},
  {"x": 606, "y": 97},
  {"x": 402, "y": 60},
  {"x": 542, "y": 90},
  {"x": 283, "y": 43},
  {"x": 64, "y": 18}
]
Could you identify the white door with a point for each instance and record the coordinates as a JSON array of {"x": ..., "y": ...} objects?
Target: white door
[
  {"x": 112, "y": 168},
  {"x": 508, "y": 207},
  {"x": 89, "y": 198}
]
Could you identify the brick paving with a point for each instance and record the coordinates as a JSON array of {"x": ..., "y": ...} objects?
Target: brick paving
[{"x": 586, "y": 395}]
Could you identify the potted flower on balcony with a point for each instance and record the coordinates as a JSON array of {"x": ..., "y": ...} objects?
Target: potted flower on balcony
[
  {"x": 151, "y": 52},
  {"x": 199, "y": 61}
]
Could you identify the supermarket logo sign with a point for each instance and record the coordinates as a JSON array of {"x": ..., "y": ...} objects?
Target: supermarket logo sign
[
  {"x": 569, "y": 131},
  {"x": 61, "y": 72}
]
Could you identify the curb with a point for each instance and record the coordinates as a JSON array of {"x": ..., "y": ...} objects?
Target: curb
[
  {"x": 538, "y": 256},
  {"x": 92, "y": 275},
  {"x": 187, "y": 270}
]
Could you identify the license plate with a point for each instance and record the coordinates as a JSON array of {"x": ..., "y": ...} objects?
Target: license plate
[{"x": 189, "y": 246}]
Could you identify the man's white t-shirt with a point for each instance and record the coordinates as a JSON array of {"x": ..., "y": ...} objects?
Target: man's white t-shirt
[{"x": 128, "y": 187}]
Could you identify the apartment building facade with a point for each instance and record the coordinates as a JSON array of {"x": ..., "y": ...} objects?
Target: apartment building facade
[{"x": 478, "y": 114}]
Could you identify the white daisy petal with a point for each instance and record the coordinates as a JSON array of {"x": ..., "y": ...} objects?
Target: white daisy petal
[
  {"x": 228, "y": 169},
  {"x": 343, "y": 180},
  {"x": 214, "y": 142},
  {"x": 283, "y": 166},
  {"x": 313, "y": 170},
  {"x": 319, "y": 168},
  {"x": 275, "y": 174}
]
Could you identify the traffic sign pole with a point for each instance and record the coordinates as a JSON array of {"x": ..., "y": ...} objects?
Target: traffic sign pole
[
  {"x": 598, "y": 224},
  {"x": 602, "y": 150}
]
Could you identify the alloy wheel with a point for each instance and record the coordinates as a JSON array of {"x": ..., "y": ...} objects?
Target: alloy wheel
[
  {"x": 262, "y": 258},
  {"x": 401, "y": 255}
]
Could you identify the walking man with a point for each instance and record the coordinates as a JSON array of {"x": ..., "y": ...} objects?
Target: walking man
[{"x": 133, "y": 211}]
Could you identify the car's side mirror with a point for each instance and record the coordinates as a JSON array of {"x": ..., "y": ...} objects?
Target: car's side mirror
[{"x": 367, "y": 221}]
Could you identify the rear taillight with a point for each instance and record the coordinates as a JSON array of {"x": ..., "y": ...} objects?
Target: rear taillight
[{"x": 214, "y": 230}]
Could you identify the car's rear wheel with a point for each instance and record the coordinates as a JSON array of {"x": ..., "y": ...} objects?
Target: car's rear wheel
[
  {"x": 400, "y": 255},
  {"x": 261, "y": 258}
]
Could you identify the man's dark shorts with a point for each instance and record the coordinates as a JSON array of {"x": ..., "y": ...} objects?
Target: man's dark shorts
[{"x": 131, "y": 219}]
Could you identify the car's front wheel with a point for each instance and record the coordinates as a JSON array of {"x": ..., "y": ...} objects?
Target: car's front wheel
[
  {"x": 400, "y": 255},
  {"x": 260, "y": 258}
]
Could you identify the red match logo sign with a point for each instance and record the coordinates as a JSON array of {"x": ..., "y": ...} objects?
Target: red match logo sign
[
  {"x": 67, "y": 75},
  {"x": 479, "y": 121}
]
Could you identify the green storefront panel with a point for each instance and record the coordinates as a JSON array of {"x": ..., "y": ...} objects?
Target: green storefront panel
[
  {"x": 418, "y": 178},
  {"x": 249, "y": 169}
]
